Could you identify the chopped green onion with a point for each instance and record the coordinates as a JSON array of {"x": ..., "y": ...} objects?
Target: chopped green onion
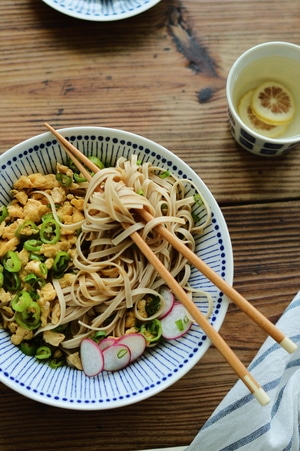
[
  {"x": 196, "y": 218},
  {"x": 152, "y": 330},
  {"x": 3, "y": 213},
  {"x": 36, "y": 257},
  {"x": 31, "y": 278},
  {"x": 72, "y": 166},
  {"x": 21, "y": 301},
  {"x": 165, "y": 174},
  {"x": 43, "y": 269},
  {"x": 28, "y": 348},
  {"x": 96, "y": 161},
  {"x": 1, "y": 276},
  {"x": 47, "y": 216},
  {"x": 60, "y": 263},
  {"x": 78, "y": 231},
  {"x": 27, "y": 229},
  {"x": 198, "y": 199},
  {"x": 33, "y": 245},
  {"x": 122, "y": 353},
  {"x": 43, "y": 353},
  {"x": 34, "y": 294},
  {"x": 98, "y": 336},
  {"x": 29, "y": 318},
  {"x": 50, "y": 231},
  {"x": 179, "y": 324},
  {"x": 56, "y": 363},
  {"x": 79, "y": 178},
  {"x": 63, "y": 179},
  {"x": 152, "y": 305},
  {"x": 12, "y": 262},
  {"x": 59, "y": 328},
  {"x": 12, "y": 281}
]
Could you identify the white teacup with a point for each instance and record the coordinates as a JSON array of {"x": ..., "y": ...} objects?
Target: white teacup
[{"x": 276, "y": 61}]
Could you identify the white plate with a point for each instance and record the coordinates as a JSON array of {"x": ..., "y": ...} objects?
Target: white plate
[
  {"x": 101, "y": 10},
  {"x": 160, "y": 366}
]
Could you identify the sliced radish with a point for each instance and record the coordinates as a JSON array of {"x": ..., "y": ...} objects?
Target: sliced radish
[
  {"x": 106, "y": 342},
  {"x": 169, "y": 300},
  {"x": 176, "y": 323},
  {"x": 116, "y": 357},
  {"x": 136, "y": 343},
  {"x": 91, "y": 357}
]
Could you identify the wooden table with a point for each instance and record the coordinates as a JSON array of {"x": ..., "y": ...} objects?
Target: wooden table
[{"x": 162, "y": 75}]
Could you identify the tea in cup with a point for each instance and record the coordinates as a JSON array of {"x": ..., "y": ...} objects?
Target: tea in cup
[{"x": 263, "y": 95}]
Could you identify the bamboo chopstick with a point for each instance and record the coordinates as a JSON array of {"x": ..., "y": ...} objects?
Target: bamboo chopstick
[
  {"x": 236, "y": 297},
  {"x": 218, "y": 341},
  {"x": 196, "y": 314}
]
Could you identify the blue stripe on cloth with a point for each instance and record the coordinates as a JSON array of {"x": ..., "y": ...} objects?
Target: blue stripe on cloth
[
  {"x": 265, "y": 354},
  {"x": 293, "y": 363},
  {"x": 247, "y": 439},
  {"x": 238, "y": 404},
  {"x": 276, "y": 405},
  {"x": 289, "y": 447},
  {"x": 227, "y": 411}
]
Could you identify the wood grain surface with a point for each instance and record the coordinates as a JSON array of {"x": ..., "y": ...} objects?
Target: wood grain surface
[{"x": 161, "y": 74}]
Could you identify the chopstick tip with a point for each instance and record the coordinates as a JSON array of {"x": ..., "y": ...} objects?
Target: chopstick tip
[
  {"x": 288, "y": 345},
  {"x": 257, "y": 391},
  {"x": 261, "y": 396}
]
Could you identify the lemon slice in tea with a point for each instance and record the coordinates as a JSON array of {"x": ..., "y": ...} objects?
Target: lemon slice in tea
[
  {"x": 253, "y": 122},
  {"x": 273, "y": 103}
]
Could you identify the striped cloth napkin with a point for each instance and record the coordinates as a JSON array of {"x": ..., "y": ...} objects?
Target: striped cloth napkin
[{"x": 240, "y": 422}]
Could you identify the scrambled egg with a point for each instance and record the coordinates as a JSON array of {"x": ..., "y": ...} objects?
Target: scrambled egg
[
  {"x": 36, "y": 181},
  {"x": 29, "y": 205}
]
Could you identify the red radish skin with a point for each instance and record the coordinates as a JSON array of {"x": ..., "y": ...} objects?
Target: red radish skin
[
  {"x": 169, "y": 299},
  {"x": 106, "y": 342},
  {"x": 116, "y": 357},
  {"x": 176, "y": 323},
  {"x": 113, "y": 354},
  {"x": 136, "y": 343},
  {"x": 91, "y": 357}
]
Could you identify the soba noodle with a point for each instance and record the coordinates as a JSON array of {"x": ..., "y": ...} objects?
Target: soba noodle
[{"x": 109, "y": 276}]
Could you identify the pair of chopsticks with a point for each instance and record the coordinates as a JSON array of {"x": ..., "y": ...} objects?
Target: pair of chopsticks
[{"x": 78, "y": 158}]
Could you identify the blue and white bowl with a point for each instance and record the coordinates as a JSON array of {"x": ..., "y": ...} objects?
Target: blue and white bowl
[
  {"x": 100, "y": 10},
  {"x": 159, "y": 367}
]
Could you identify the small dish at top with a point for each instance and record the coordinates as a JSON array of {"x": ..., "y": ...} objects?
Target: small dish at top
[{"x": 100, "y": 10}]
